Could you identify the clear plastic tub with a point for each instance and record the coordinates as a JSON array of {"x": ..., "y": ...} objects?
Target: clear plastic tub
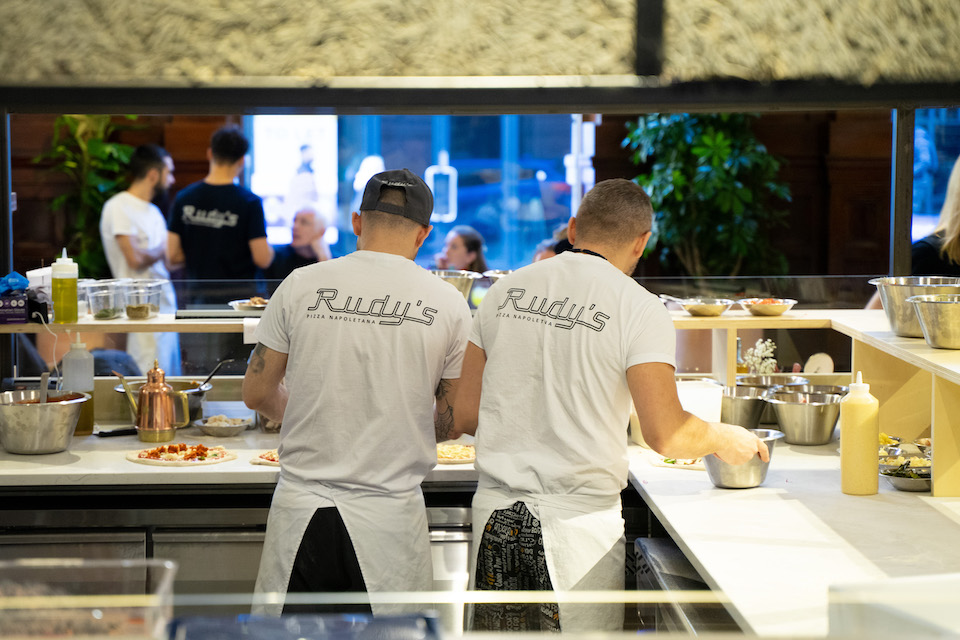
[
  {"x": 86, "y": 598},
  {"x": 105, "y": 303},
  {"x": 142, "y": 301}
]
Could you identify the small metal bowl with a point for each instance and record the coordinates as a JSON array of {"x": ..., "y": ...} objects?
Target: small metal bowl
[
  {"x": 939, "y": 317},
  {"x": 222, "y": 431},
  {"x": 767, "y": 306},
  {"x": 907, "y": 484},
  {"x": 889, "y": 463},
  {"x": 704, "y": 307},
  {"x": 742, "y": 476}
]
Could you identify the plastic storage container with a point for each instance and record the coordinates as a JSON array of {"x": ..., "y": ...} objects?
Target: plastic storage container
[
  {"x": 86, "y": 598},
  {"x": 105, "y": 299},
  {"x": 142, "y": 299},
  {"x": 78, "y": 376}
]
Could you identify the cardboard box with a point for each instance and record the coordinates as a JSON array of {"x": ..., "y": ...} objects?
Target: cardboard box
[{"x": 13, "y": 308}]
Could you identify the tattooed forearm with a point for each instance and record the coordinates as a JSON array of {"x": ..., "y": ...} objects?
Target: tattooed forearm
[
  {"x": 443, "y": 417},
  {"x": 256, "y": 362}
]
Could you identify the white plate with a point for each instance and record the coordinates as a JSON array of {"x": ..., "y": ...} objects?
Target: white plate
[{"x": 245, "y": 305}]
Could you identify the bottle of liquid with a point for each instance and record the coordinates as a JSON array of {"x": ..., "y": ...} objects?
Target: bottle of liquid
[
  {"x": 859, "y": 434},
  {"x": 64, "y": 277},
  {"x": 741, "y": 363},
  {"x": 78, "y": 377}
]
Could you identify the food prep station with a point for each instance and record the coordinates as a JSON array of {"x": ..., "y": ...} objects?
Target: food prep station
[{"x": 91, "y": 501}]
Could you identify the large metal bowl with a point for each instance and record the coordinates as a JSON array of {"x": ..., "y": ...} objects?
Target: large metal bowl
[
  {"x": 768, "y": 381},
  {"x": 190, "y": 388},
  {"x": 28, "y": 427},
  {"x": 742, "y": 405},
  {"x": 838, "y": 389},
  {"x": 705, "y": 306},
  {"x": 894, "y": 292},
  {"x": 462, "y": 280},
  {"x": 939, "y": 317},
  {"x": 805, "y": 418},
  {"x": 742, "y": 476}
]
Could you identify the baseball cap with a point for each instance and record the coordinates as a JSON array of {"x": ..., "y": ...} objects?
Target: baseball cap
[{"x": 419, "y": 199}]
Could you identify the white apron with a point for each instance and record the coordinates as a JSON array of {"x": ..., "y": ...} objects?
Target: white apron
[
  {"x": 579, "y": 533},
  {"x": 389, "y": 535}
]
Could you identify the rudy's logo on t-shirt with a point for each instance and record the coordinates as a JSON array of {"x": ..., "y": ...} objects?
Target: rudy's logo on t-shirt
[
  {"x": 381, "y": 311},
  {"x": 561, "y": 314},
  {"x": 214, "y": 219}
]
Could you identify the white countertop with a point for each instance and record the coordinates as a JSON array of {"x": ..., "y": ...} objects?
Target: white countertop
[
  {"x": 774, "y": 550},
  {"x": 93, "y": 461}
]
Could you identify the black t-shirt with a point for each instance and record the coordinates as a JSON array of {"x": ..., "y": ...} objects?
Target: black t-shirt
[
  {"x": 285, "y": 260},
  {"x": 925, "y": 259},
  {"x": 215, "y": 224}
]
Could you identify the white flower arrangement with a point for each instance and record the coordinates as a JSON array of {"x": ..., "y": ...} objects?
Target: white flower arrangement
[{"x": 759, "y": 358}]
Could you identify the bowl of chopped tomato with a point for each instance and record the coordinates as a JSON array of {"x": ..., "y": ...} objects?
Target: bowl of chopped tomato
[{"x": 767, "y": 306}]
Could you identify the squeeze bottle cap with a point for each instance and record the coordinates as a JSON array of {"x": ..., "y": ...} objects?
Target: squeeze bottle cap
[
  {"x": 859, "y": 386},
  {"x": 64, "y": 266}
]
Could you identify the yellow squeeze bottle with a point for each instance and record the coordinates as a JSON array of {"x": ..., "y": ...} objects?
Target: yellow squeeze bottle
[
  {"x": 859, "y": 433},
  {"x": 64, "y": 279}
]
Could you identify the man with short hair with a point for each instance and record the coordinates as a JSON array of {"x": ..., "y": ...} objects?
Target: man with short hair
[
  {"x": 134, "y": 236},
  {"x": 559, "y": 349},
  {"x": 306, "y": 245},
  {"x": 217, "y": 228},
  {"x": 366, "y": 344}
]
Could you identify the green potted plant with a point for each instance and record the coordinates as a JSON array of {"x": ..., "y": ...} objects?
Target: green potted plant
[
  {"x": 715, "y": 192},
  {"x": 82, "y": 149}
]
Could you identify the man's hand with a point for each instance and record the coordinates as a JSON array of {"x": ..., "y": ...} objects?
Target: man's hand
[{"x": 739, "y": 445}]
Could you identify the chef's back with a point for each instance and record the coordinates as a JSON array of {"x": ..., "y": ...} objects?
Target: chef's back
[
  {"x": 559, "y": 336},
  {"x": 368, "y": 338}
]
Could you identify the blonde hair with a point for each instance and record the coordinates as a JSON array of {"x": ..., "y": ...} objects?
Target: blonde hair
[{"x": 949, "y": 223}]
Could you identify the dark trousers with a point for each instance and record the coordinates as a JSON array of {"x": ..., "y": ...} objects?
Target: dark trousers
[{"x": 326, "y": 562}]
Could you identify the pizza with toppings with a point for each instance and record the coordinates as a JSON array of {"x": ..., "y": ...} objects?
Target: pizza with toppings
[
  {"x": 269, "y": 458},
  {"x": 455, "y": 453},
  {"x": 677, "y": 463},
  {"x": 181, "y": 455}
]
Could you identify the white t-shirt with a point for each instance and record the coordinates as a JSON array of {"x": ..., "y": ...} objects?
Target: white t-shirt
[
  {"x": 127, "y": 215},
  {"x": 559, "y": 336},
  {"x": 369, "y": 337}
]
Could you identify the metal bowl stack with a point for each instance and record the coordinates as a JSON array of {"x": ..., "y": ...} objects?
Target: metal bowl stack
[
  {"x": 894, "y": 292},
  {"x": 742, "y": 476},
  {"x": 939, "y": 316},
  {"x": 769, "y": 381},
  {"x": 742, "y": 405},
  {"x": 29, "y": 427},
  {"x": 462, "y": 280},
  {"x": 805, "y": 418}
]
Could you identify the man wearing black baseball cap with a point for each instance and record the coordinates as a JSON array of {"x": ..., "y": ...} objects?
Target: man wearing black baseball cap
[{"x": 351, "y": 355}]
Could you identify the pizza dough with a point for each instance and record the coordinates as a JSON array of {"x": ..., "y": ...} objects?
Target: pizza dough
[
  {"x": 455, "y": 453},
  {"x": 215, "y": 455},
  {"x": 267, "y": 458}
]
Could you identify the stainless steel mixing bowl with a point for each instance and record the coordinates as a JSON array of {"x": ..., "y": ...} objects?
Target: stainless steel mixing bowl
[
  {"x": 742, "y": 476},
  {"x": 939, "y": 317},
  {"x": 768, "y": 381},
  {"x": 462, "y": 280},
  {"x": 894, "y": 292},
  {"x": 742, "y": 405},
  {"x": 31, "y": 428},
  {"x": 805, "y": 418}
]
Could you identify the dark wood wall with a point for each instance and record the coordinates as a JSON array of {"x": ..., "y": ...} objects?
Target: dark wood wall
[{"x": 836, "y": 163}]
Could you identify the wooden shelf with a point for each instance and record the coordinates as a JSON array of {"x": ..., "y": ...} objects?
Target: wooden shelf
[{"x": 160, "y": 324}]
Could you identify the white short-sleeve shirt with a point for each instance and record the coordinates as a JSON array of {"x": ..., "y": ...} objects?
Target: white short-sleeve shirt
[
  {"x": 559, "y": 336},
  {"x": 368, "y": 337}
]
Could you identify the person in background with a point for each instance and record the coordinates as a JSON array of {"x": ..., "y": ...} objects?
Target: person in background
[
  {"x": 553, "y": 246},
  {"x": 359, "y": 424},
  {"x": 306, "y": 247},
  {"x": 463, "y": 250},
  {"x": 134, "y": 236},
  {"x": 217, "y": 229},
  {"x": 937, "y": 254},
  {"x": 558, "y": 350}
]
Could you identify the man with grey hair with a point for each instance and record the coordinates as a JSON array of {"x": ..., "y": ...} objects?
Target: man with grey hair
[
  {"x": 365, "y": 343},
  {"x": 560, "y": 348}
]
